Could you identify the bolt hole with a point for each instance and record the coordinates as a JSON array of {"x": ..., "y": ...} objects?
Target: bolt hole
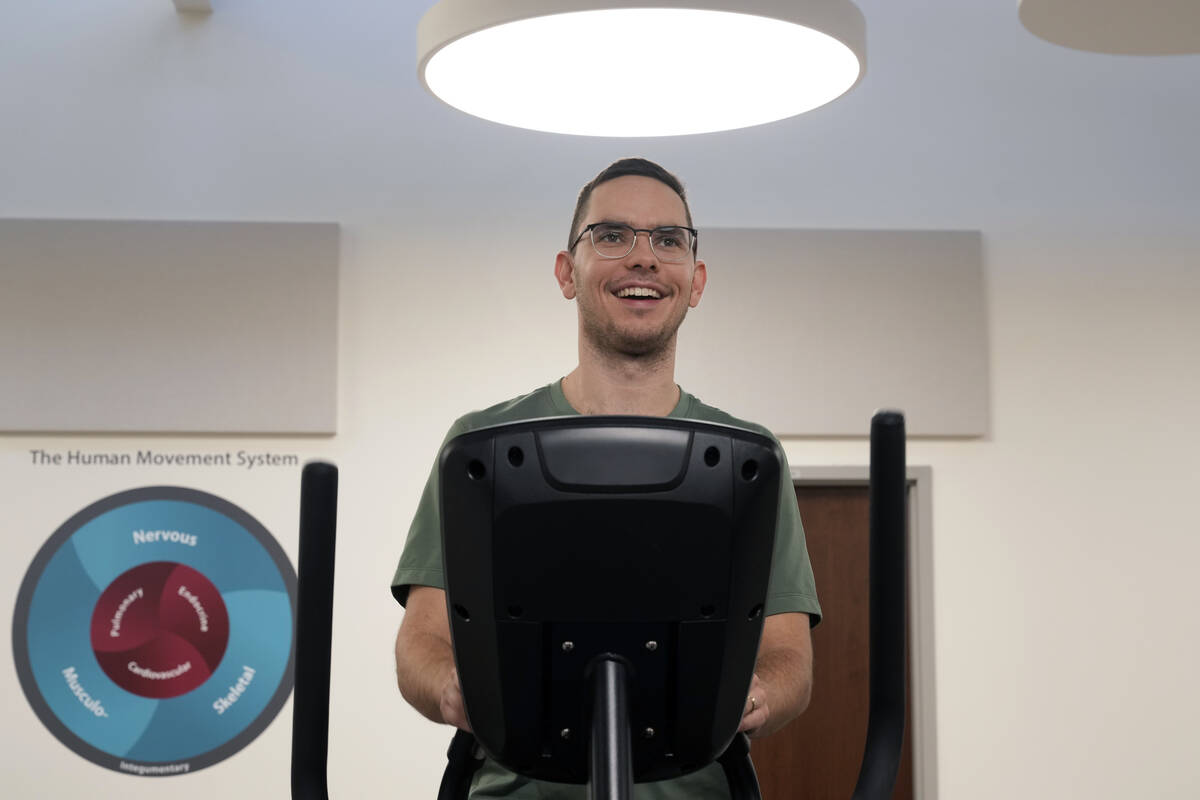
[
  {"x": 475, "y": 470},
  {"x": 750, "y": 470},
  {"x": 515, "y": 611},
  {"x": 516, "y": 456},
  {"x": 462, "y": 612},
  {"x": 755, "y": 612},
  {"x": 712, "y": 456},
  {"x": 707, "y": 611}
]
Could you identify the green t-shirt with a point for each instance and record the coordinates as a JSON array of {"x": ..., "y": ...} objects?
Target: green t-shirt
[{"x": 791, "y": 586}]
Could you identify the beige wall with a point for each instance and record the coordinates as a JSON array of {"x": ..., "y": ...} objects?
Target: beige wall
[{"x": 1063, "y": 544}]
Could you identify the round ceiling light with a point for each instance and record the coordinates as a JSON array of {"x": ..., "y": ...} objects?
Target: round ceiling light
[
  {"x": 615, "y": 69},
  {"x": 1120, "y": 27}
]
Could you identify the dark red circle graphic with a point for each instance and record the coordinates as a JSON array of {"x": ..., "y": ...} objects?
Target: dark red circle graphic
[{"x": 160, "y": 629}]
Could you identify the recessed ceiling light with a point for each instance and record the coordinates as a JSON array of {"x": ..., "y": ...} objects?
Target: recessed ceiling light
[{"x": 611, "y": 69}]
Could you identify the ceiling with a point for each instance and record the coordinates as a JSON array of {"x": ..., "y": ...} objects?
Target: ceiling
[{"x": 278, "y": 109}]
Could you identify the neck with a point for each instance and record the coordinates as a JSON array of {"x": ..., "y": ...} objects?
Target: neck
[{"x": 616, "y": 384}]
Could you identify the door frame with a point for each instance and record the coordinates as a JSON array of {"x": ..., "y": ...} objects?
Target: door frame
[{"x": 921, "y": 657}]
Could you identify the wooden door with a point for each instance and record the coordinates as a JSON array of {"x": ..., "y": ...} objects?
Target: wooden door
[{"x": 817, "y": 756}]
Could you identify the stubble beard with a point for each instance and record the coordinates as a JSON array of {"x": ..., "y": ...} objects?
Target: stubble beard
[{"x": 609, "y": 340}]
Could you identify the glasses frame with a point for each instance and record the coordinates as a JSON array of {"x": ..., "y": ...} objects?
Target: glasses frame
[{"x": 588, "y": 231}]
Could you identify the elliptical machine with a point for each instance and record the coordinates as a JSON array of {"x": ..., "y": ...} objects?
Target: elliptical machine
[{"x": 518, "y": 478}]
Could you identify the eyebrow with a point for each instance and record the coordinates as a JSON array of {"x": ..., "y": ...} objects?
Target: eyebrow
[{"x": 631, "y": 225}]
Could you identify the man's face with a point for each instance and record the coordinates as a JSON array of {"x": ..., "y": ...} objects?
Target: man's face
[{"x": 611, "y": 318}]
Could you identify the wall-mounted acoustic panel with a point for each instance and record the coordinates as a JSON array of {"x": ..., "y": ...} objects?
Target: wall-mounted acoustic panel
[
  {"x": 810, "y": 331},
  {"x": 168, "y": 327}
]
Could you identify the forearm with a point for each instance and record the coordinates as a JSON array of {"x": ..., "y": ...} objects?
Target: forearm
[
  {"x": 787, "y": 679},
  {"x": 782, "y": 682},
  {"x": 424, "y": 665}
]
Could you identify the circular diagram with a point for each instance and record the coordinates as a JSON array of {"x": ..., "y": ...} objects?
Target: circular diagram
[
  {"x": 160, "y": 629},
  {"x": 153, "y": 631}
]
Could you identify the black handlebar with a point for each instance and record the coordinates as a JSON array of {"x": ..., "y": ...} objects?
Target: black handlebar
[
  {"x": 885, "y": 727},
  {"x": 314, "y": 631}
]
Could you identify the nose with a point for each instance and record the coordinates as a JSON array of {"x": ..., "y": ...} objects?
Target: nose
[{"x": 642, "y": 254}]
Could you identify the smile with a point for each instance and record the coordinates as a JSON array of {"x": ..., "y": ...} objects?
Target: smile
[{"x": 639, "y": 291}]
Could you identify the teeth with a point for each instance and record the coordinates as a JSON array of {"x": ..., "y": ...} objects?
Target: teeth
[{"x": 638, "y": 291}]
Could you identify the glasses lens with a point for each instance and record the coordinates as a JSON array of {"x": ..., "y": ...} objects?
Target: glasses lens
[
  {"x": 671, "y": 244},
  {"x": 612, "y": 240}
]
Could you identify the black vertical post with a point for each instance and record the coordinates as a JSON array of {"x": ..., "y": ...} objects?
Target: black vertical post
[
  {"x": 888, "y": 494},
  {"x": 611, "y": 773},
  {"x": 314, "y": 631},
  {"x": 739, "y": 770}
]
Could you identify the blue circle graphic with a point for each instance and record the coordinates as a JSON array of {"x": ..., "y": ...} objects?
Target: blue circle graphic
[{"x": 99, "y": 719}]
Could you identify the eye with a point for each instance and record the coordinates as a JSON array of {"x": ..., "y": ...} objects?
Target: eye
[
  {"x": 610, "y": 234},
  {"x": 670, "y": 238}
]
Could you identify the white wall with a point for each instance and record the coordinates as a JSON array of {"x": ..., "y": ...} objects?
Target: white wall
[{"x": 1066, "y": 646}]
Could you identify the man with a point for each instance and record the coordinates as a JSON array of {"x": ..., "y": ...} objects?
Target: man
[{"x": 631, "y": 268}]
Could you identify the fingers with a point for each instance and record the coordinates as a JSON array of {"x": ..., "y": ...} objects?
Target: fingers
[
  {"x": 451, "y": 705},
  {"x": 756, "y": 711},
  {"x": 755, "y": 717}
]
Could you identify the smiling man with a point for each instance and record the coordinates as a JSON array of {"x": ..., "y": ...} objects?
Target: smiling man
[{"x": 631, "y": 268}]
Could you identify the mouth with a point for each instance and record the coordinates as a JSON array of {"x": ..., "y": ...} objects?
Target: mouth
[{"x": 638, "y": 293}]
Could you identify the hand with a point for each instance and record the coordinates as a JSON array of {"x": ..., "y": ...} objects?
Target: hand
[
  {"x": 451, "y": 705},
  {"x": 757, "y": 711}
]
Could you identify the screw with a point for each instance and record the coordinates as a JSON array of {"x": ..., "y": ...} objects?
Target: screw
[
  {"x": 568, "y": 647},
  {"x": 565, "y": 733},
  {"x": 651, "y": 645},
  {"x": 648, "y": 733}
]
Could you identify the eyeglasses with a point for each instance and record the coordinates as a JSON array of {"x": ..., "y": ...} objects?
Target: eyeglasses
[{"x": 670, "y": 243}]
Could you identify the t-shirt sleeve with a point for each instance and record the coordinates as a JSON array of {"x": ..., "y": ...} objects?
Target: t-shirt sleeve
[
  {"x": 421, "y": 560},
  {"x": 791, "y": 587}
]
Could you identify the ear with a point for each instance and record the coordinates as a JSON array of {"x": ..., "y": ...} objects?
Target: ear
[
  {"x": 699, "y": 279},
  {"x": 564, "y": 273}
]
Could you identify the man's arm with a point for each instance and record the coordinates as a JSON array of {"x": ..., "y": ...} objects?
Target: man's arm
[
  {"x": 782, "y": 682},
  {"x": 425, "y": 659}
]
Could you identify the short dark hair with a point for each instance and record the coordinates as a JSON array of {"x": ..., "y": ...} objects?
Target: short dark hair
[{"x": 619, "y": 169}]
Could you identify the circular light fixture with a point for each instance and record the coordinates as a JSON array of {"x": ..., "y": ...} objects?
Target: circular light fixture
[
  {"x": 1120, "y": 27},
  {"x": 619, "y": 68}
]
